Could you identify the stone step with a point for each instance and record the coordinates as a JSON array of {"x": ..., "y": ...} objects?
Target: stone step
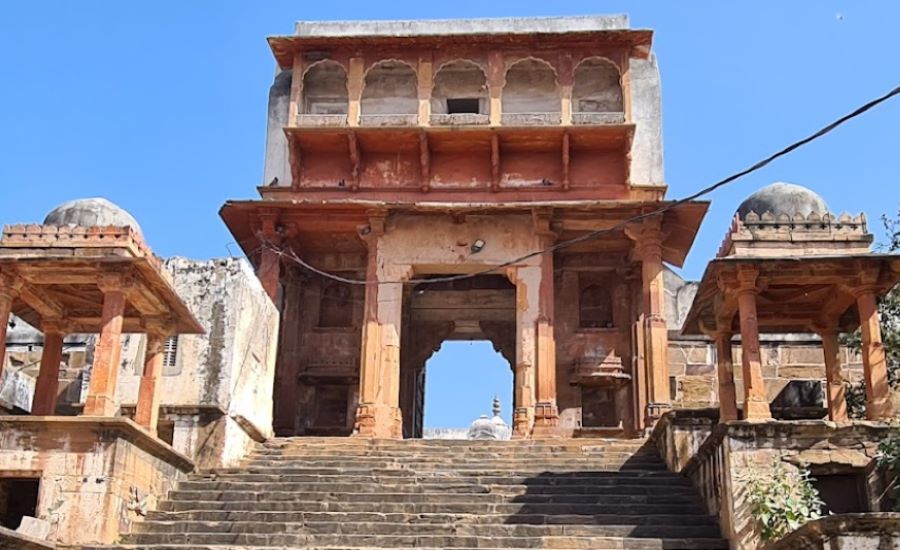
[
  {"x": 417, "y": 541},
  {"x": 513, "y": 509},
  {"x": 427, "y": 518},
  {"x": 431, "y": 529},
  {"x": 444, "y": 461},
  {"x": 519, "y": 470},
  {"x": 614, "y": 543},
  {"x": 437, "y": 452},
  {"x": 657, "y": 479},
  {"x": 432, "y": 498},
  {"x": 442, "y": 486}
]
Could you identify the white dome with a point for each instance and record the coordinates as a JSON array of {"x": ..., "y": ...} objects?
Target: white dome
[{"x": 91, "y": 212}]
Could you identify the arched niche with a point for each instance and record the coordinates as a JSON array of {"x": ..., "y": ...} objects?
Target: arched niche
[
  {"x": 597, "y": 87},
  {"x": 390, "y": 88},
  {"x": 460, "y": 87},
  {"x": 595, "y": 307},
  {"x": 336, "y": 306},
  {"x": 325, "y": 89},
  {"x": 531, "y": 87}
]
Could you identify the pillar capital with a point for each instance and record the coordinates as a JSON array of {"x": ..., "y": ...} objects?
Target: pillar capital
[
  {"x": 54, "y": 325},
  {"x": 114, "y": 281},
  {"x": 159, "y": 327},
  {"x": 647, "y": 235},
  {"x": 10, "y": 285},
  {"x": 748, "y": 279}
]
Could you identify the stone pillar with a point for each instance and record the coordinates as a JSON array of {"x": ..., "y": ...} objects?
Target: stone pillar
[
  {"x": 756, "y": 402},
  {"x": 648, "y": 240},
  {"x": 101, "y": 399},
  {"x": 46, "y": 388},
  {"x": 424, "y": 88},
  {"x": 355, "y": 77},
  {"x": 378, "y": 414},
  {"x": 9, "y": 291},
  {"x": 269, "y": 272},
  {"x": 725, "y": 370},
  {"x": 147, "y": 412},
  {"x": 546, "y": 411},
  {"x": 527, "y": 280},
  {"x": 878, "y": 392},
  {"x": 495, "y": 80},
  {"x": 566, "y": 83},
  {"x": 834, "y": 382}
]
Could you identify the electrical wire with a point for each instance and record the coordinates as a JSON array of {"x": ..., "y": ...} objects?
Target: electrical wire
[{"x": 292, "y": 256}]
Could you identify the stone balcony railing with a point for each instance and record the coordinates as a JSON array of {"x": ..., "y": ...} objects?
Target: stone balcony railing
[
  {"x": 377, "y": 121},
  {"x": 531, "y": 119},
  {"x": 460, "y": 119},
  {"x": 322, "y": 121},
  {"x": 585, "y": 119}
]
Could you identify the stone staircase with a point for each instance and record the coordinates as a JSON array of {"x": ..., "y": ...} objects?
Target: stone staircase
[{"x": 352, "y": 493}]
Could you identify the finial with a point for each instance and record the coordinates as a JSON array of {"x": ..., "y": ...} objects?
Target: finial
[{"x": 496, "y": 408}]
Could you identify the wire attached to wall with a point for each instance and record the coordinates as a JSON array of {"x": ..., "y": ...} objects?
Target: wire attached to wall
[{"x": 289, "y": 254}]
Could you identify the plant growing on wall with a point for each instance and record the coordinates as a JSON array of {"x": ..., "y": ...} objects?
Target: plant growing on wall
[
  {"x": 889, "y": 310},
  {"x": 888, "y": 459},
  {"x": 781, "y": 499}
]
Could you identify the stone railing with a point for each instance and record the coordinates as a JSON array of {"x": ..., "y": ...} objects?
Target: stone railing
[
  {"x": 679, "y": 434},
  {"x": 21, "y": 236},
  {"x": 586, "y": 119},
  {"x": 845, "y": 230}
]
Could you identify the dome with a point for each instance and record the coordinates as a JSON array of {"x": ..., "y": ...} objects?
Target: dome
[
  {"x": 783, "y": 198},
  {"x": 482, "y": 428},
  {"x": 89, "y": 213}
]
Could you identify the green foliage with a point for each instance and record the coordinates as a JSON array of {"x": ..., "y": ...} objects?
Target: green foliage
[
  {"x": 888, "y": 459},
  {"x": 781, "y": 499},
  {"x": 889, "y": 309}
]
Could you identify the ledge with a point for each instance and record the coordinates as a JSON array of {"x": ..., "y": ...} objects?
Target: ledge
[
  {"x": 817, "y": 533},
  {"x": 120, "y": 427},
  {"x": 791, "y": 432},
  {"x": 597, "y": 118},
  {"x": 12, "y": 540}
]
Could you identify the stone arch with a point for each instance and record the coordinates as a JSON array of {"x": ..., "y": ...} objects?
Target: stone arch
[
  {"x": 531, "y": 86},
  {"x": 595, "y": 307},
  {"x": 390, "y": 87},
  {"x": 461, "y": 81},
  {"x": 597, "y": 87},
  {"x": 325, "y": 89}
]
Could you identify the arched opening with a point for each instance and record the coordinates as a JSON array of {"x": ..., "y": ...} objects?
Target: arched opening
[
  {"x": 595, "y": 308},
  {"x": 325, "y": 89},
  {"x": 390, "y": 89},
  {"x": 531, "y": 88},
  {"x": 460, "y": 88},
  {"x": 597, "y": 93},
  {"x": 461, "y": 381},
  {"x": 459, "y": 342}
]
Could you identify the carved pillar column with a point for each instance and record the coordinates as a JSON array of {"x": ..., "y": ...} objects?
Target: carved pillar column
[
  {"x": 378, "y": 413},
  {"x": 101, "y": 399},
  {"x": 46, "y": 388},
  {"x": 495, "y": 80},
  {"x": 147, "y": 412},
  {"x": 725, "y": 370},
  {"x": 834, "y": 382},
  {"x": 878, "y": 392},
  {"x": 546, "y": 411},
  {"x": 527, "y": 280},
  {"x": 9, "y": 291},
  {"x": 756, "y": 402},
  {"x": 648, "y": 239}
]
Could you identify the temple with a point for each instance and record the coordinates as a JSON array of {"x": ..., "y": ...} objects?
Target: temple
[
  {"x": 428, "y": 156},
  {"x": 430, "y": 181}
]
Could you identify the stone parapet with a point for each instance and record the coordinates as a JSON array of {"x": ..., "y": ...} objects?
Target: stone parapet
[
  {"x": 98, "y": 475},
  {"x": 771, "y": 235},
  {"x": 845, "y": 531}
]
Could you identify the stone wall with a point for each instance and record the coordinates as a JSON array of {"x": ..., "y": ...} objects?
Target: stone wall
[
  {"x": 721, "y": 463},
  {"x": 845, "y": 532},
  {"x": 97, "y": 476}
]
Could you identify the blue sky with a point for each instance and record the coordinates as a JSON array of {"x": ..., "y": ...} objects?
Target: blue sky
[{"x": 160, "y": 107}]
